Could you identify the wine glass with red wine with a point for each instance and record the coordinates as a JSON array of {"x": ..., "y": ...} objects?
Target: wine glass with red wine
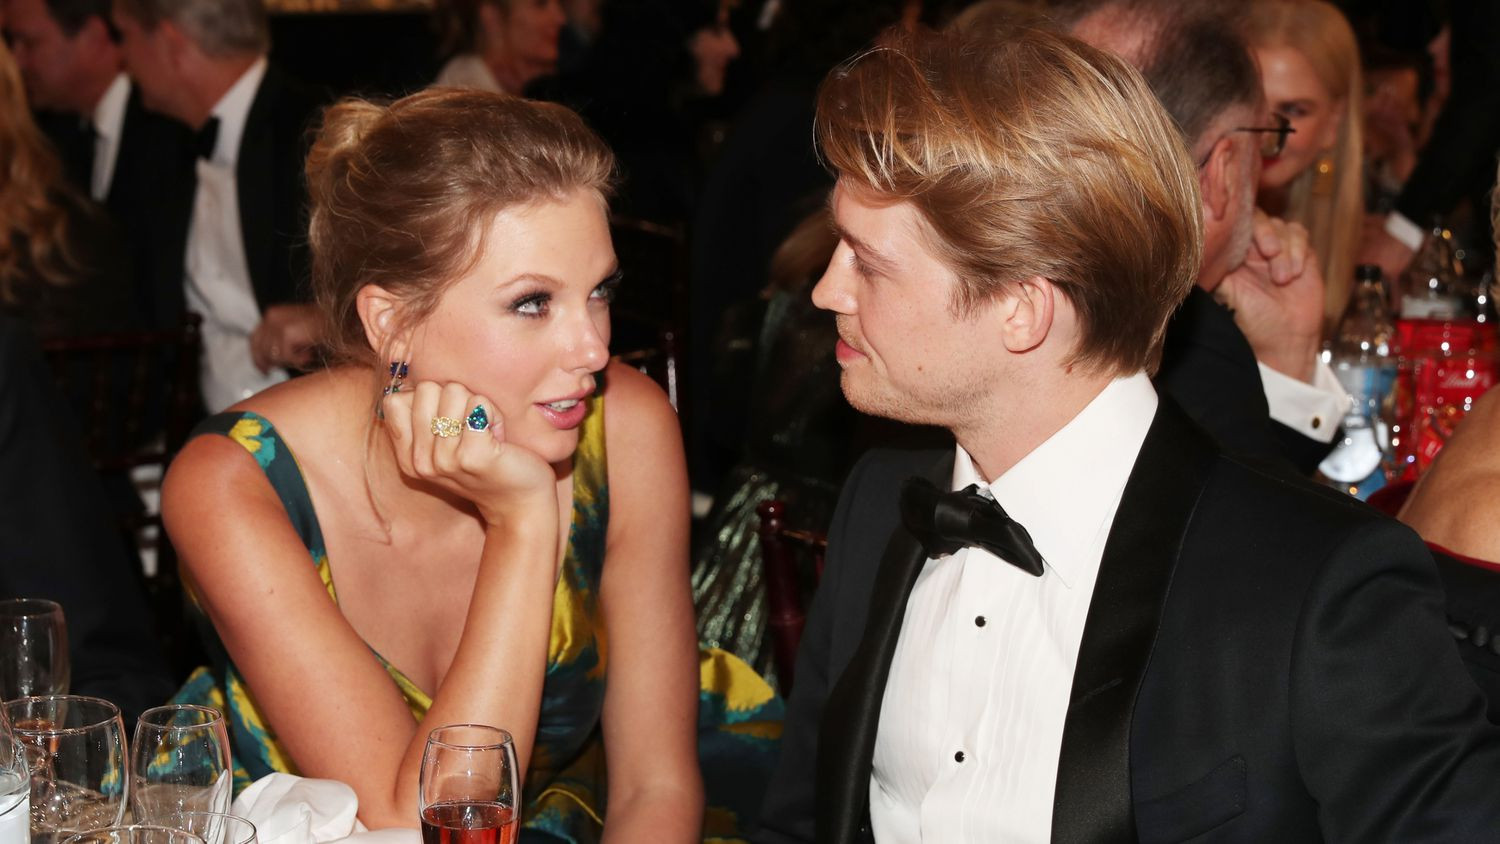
[{"x": 470, "y": 793}]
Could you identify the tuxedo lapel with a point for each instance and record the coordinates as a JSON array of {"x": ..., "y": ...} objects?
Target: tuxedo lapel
[
  {"x": 1093, "y": 800},
  {"x": 851, "y": 716}
]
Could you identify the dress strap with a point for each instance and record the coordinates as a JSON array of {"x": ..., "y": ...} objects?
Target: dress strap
[{"x": 258, "y": 436}]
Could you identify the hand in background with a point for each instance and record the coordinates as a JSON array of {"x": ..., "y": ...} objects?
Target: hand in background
[
  {"x": 1277, "y": 297},
  {"x": 1386, "y": 252},
  {"x": 287, "y": 336}
]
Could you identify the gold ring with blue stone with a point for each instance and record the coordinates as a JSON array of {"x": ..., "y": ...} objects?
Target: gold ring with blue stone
[{"x": 445, "y": 427}]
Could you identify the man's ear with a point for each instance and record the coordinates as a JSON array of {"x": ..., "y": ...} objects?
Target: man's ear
[
  {"x": 1216, "y": 179},
  {"x": 1027, "y": 314},
  {"x": 380, "y": 313},
  {"x": 179, "y": 48}
]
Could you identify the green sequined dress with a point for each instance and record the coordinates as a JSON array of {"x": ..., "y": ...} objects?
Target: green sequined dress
[{"x": 565, "y": 791}]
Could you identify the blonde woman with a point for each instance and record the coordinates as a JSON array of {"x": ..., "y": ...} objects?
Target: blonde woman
[
  {"x": 1309, "y": 63},
  {"x": 60, "y": 260}
]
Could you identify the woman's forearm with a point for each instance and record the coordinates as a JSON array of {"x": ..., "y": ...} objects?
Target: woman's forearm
[
  {"x": 658, "y": 813},
  {"x": 497, "y": 672}
]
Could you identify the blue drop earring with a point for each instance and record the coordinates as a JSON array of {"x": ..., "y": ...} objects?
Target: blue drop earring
[{"x": 398, "y": 375}]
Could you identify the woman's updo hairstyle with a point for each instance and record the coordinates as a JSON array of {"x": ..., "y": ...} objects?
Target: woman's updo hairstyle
[{"x": 403, "y": 194}]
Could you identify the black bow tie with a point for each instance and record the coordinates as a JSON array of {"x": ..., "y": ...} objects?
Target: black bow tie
[
  {"x": 947, "y": 521},
  {"x": 206, "y": 138}
]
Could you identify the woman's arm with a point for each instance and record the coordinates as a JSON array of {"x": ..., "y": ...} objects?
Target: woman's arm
[
  {"x": 650, "y": 708},
  {"x": 329, "y": 702}
]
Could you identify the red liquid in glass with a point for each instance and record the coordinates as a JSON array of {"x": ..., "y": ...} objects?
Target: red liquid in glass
[{"x": 469, "y": 823}]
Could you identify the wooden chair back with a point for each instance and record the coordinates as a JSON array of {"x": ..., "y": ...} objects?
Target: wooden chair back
[
  {"x": 660, "y": 363},
  {"x": 136, "y": 396},
  {"x": 136, "y": 393},
  {"x": 782, "y": 551},
  {"x": 649, "y": 315}
]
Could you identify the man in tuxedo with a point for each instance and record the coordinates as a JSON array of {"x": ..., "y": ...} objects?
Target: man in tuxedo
[
  {"x": 1241, "y": 354},
  {"x": 1176, "y": 645},
  {"x": 114, "y": 150},
  {"x": 242, "y": 244},
  {"x": 1454, "y": 166}
]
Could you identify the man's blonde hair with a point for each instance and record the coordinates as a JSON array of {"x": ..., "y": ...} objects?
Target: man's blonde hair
[{"x": 1028, "y": 155}]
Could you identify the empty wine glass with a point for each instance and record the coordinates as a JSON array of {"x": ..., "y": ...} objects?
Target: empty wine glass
[
  {"x": 469, "y": 786},
  {"x": 135, "y": 834},
  {"x": 179, "y": 763},
  {"x": 76, "y": 750},
  {"x": 214, "y": 827},
  {"x": 33, "y": 648}
]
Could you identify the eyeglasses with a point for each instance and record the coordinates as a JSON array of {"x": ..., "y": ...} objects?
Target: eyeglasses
[{"x": 1273, "y": 138}]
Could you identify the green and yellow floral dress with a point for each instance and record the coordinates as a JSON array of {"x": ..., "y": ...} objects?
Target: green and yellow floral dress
[{"x": 739, "y": 719}]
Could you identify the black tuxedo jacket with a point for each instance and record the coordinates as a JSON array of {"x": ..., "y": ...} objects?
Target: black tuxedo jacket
[
  {"x": 149, "y": 199},
  {"x": 1208, "y": 367},
  {"x": 272, "y": 199},
  {"x": 1262, "y": 661}
]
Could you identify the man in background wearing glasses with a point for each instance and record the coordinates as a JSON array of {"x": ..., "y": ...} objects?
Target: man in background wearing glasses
[{"x": 1242, "y": 353}]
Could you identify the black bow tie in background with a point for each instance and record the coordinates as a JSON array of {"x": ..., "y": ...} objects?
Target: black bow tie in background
[
  {"x": 206, "y": 138},
  {"x": 947, "y": 521}
]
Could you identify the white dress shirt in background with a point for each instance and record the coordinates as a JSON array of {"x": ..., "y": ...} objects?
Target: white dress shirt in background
[
  {"x": 1313, "y": 410},
  {"x": 467, "y": 70},
  {"x": 972, "y": 720},
  {"x": 109, "y": 127},
  {"x": 218, "y": 277}
]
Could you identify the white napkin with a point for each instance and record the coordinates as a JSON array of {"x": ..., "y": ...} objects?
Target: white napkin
[{"x": 288, "y": 809}]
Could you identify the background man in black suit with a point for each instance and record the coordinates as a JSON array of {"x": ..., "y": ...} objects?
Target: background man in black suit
[
  {"x": 1176, "y": 645},
  {"x": 242, "y": 247},
  {"x": 1241, "y": 354},
  {"x": 1456, "y": 163},
  {"x": 115, "y": 151}
]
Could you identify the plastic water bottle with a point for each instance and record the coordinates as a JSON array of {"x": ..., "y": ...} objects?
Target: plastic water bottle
[
  {"x": 1433, "y": 284},
  {"x": 1361, "y": 358}
]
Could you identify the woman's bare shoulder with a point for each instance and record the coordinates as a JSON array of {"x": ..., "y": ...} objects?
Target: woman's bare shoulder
[{"x": 633, "y": 401}]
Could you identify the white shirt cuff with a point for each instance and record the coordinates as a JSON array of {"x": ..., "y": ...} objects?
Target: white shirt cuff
[
  {"x": 1410, "y": 234},
  {"x": 1313, "y": 410}
]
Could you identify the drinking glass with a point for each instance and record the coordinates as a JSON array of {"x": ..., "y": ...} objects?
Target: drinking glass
[
  {"x": 33, "y": 648},
  {"x": 15, "y": 786},
  {"x": 179, "y": 763},
  {"x": 214, "y": 827},
  {"x": 135, "y": 834},
  {"x": 75, "y": 747},
  {"x": 469, "y": 787}
]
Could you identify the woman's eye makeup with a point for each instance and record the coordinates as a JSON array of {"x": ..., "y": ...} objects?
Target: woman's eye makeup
[
  {"x": 607, "y": 288},
  {"x": 531, "y": 304}
]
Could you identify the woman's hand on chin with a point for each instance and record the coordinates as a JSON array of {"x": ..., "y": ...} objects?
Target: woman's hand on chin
[{"x": 448, "y": 436}]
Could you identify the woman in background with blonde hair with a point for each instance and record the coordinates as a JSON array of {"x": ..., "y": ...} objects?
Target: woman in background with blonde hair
[
  {"x": 60, "y": 260},
  {"x": 1309, "y": 64}
]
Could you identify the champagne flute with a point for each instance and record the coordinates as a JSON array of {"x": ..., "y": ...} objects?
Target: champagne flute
[
  {"x": 34, "y": 644},
  {"x": 180, "y": 763},
  {"x": 76, "y": 749},
  {"x": 135, "y": 834},
  {"x": 469, "y": 787}
]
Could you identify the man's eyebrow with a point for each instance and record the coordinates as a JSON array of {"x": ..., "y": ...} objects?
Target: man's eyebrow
[{"x": 869, "y": 255}]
